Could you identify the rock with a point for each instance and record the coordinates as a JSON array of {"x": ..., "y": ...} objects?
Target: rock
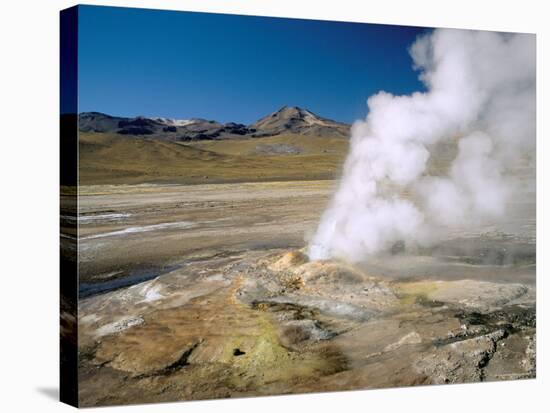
[
  {"x": 278, "y": 149},
  {"x": 289, "y": 261},
  {"x": 135, "y": 130},
  {"x": 330, "y": 272},
  {"x": 481, "y": 296},
  {"x": 118, "y": 326},
  {"x": 461, "y": 361},
  {"x": 299, "y": 331},
  {"x": 514, "y": 358},
  {"x": 412, "y": 338}
]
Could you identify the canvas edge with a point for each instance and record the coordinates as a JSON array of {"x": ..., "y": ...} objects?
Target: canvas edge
[{"x": 68, "y": 150}]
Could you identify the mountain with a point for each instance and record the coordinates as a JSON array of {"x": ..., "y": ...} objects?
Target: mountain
[
  {"x": 162, "y": 128},
  {"x": 98, "y": 122},
  {"x": 292, "y": 119},
  {"x": 287, "y": 120}
]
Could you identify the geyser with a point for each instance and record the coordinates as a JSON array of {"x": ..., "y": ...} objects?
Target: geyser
[{"x": 480, "y": 101}]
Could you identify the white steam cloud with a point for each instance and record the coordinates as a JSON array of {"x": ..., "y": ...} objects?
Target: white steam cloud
[{"x": 422, "y": 164}]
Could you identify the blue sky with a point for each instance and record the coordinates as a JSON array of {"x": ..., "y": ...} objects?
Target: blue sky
[{"x": 236, "y": 68}]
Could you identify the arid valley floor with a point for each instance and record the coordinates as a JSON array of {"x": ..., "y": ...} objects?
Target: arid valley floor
[{"x": 204, "y": 291}]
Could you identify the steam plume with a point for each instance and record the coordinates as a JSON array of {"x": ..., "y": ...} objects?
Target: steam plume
[{"x": 477, "y": 115}]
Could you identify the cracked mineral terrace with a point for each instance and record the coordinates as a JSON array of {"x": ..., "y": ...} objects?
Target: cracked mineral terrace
[{"x": 231, "y": 307}]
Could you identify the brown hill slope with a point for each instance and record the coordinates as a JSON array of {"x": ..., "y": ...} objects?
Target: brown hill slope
[{"x": 108, "y": 158}]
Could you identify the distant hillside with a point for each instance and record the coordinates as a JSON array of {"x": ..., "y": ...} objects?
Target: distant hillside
[
  {"x": 300, "y": 121},
  {"x": 286, "y": 120},
  {"x": 112, "y": 158}
]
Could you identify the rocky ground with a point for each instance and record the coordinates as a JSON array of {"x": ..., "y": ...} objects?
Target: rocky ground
[{"x": 235, "y": 315}]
